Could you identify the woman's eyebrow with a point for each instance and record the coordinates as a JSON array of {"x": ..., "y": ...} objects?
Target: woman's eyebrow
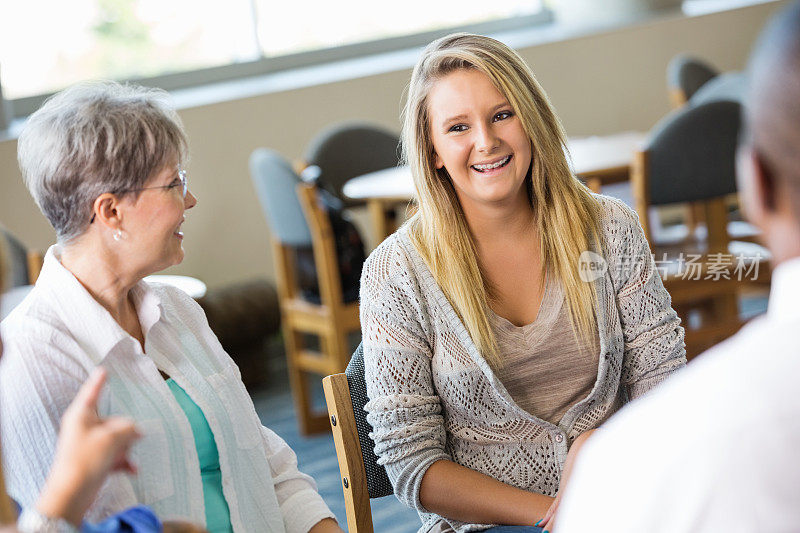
[{"x": 455, "y": 118}]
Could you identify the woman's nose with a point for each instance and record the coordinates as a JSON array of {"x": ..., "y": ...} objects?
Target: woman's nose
[
  {"x": 486, "y": 140},
  {"x": 190, "y": 200}
]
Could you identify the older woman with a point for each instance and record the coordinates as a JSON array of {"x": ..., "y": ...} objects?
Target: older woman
[
  {"x": 104, "y": 163},
  {"x": 491, "y": 353},
  {"x": 89, "y": 448}
]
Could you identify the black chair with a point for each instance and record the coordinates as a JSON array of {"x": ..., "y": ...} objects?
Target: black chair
[
  {"x": 685, "y": 75},
  {"x": 347, "y": 150},
  {"x": 362, "y": 477}
]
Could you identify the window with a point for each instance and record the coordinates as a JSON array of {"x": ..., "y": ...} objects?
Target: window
[{"x": 179, "y": 43}]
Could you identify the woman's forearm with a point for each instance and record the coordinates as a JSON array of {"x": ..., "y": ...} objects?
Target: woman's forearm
[
  {"x": 454, "y": 491},
  {"x": 327, "y": 525}
]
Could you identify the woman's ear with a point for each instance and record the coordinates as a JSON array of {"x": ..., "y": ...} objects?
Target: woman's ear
[
  {"x": 438, "y": 161},
  {"x": 106, "y": 211}
]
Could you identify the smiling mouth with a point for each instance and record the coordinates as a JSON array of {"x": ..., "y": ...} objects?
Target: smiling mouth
[{"x": 492, "y": 166}]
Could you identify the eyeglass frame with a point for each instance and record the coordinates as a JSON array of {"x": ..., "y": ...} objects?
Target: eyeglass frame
[{"x": 184, "y": 181}]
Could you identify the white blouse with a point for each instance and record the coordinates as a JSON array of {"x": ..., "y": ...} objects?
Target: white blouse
[{"x": 59, "y": 333}]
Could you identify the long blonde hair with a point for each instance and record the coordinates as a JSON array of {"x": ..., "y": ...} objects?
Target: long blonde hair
[{"x": 564, "y": 210}]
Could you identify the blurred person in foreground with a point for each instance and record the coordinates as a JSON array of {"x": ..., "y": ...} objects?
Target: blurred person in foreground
[
  {"x": 721, "y": 439},
  {"x": 104, "y": 163},
  {"x": 88, "y": 449}
]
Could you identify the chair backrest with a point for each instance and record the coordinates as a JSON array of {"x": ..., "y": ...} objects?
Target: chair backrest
[
  {"x": 350, "y": 149},
  {"x": 730, "y": 86},
  {"x": 16, "y": 257},
  {"x": 362, "y": 477},
  {"x": 276, "y": 182},
  {"x": 378, "y": 482},
  {"x": 685, "y": 75},
  {"x": 692, "y": 154}
]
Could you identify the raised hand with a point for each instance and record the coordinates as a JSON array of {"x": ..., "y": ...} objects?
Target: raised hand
[{"x": 88, "y": 449}]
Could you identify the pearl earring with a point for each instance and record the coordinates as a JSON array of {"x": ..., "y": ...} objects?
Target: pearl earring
[{"x": 118, "y": 235}]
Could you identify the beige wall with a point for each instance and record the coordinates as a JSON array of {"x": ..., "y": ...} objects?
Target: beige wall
[{"x": 599, "y": 84}]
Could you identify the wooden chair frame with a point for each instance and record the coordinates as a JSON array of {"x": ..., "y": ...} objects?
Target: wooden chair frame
[
  {"x": 714, "y": 299},
  {"x": 348, "y": 452},
  {"x": 331, "y": 320}
]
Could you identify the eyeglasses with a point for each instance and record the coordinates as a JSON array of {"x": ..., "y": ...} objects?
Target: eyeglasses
[{"x": 183, "y": 183}]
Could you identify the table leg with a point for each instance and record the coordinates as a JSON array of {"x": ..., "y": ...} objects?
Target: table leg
[
  {"x": 594, "y": 184},
  {"x": 379, "y": 216}
]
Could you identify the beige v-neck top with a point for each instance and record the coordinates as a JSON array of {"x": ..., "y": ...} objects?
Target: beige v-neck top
[{"x": 545, "y": 369}]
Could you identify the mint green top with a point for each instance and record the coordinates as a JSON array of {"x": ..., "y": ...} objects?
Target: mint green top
[{"x": 218, "y": 517}]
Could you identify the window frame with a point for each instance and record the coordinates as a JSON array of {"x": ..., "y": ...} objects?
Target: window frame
[{"x": 12, "y": 109}]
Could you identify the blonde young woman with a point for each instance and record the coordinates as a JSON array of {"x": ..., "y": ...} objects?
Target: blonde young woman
[{"x": 490, "y": 355}]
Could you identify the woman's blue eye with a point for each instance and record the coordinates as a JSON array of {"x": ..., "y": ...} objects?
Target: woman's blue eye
[{"x": 502, "y": 115}]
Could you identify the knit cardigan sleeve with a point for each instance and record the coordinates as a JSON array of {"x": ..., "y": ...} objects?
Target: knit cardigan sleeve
[
  {"x": 653, "y": 337},
  {"x": 404, "y": 409}
]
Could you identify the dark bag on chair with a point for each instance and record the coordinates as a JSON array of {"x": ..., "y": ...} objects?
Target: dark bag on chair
[{"x": 350, "y": 254}]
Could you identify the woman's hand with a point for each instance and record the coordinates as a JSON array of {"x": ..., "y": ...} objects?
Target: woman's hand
[
  {"x": 328, "y": 525},
  {"x": 455, "y": 491},
  {"x": 88, "y": 449},
  {"x": 548, "y": 522},
  {"x": 182, "y": 527}
]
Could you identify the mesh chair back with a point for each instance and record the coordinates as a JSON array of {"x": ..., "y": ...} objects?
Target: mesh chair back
[
  {"x": 16, "y": 257},
  {"x": 349, "y": 150},
  {"x": 688, "y": 74},
  {"x": 276, "y": 185},
  {"x": 378, "y": 483},
  {"x": 692, "y": 154}
]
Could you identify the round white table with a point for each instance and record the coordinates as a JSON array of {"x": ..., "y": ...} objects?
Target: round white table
[{"x": 191, "y": 286}]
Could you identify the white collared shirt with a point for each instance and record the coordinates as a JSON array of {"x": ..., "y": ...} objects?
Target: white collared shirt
[
  {"x": 716, "y": 448},
  {"x": 59, "y": 333}
]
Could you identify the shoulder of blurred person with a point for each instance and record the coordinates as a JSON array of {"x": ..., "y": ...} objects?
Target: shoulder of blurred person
[{"x": 713, "y": 449}]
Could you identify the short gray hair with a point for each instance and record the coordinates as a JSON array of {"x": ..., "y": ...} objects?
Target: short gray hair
[{"x": 93, "y": 138}]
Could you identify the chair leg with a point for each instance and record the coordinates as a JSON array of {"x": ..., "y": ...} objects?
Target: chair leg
[
  {"x": 309, "y": 421},
  {"x": 336, "y": 350}
]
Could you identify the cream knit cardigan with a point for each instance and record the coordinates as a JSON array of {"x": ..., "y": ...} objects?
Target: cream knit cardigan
[{"x": 432, "y": 395}]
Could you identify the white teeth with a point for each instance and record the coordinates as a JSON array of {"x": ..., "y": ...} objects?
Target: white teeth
[{"x": 493, "y": 165}]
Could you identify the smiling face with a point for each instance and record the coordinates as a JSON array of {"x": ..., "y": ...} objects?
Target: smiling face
[
  {"x": 478, "y": 138},
  {"x": 153, "y": 221}
]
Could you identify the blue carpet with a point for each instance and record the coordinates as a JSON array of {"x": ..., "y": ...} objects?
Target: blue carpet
[{"x": 317, "y": 457}]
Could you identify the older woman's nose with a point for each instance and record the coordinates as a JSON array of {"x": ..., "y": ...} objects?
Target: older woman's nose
[{"x": 190, "y": 200}]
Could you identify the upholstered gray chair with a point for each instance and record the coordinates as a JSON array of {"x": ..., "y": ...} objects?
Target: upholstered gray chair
[
  {"x": 296, "y": 219},
  {"x": 16, "y": 259},
  {"x": 689, "y": 158},
  {"x": 21, "y": 266},
  {"x": 685, "y": 75},
  {"x": 350, "y": 149},
  {"x": 362, "y": 477}
]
